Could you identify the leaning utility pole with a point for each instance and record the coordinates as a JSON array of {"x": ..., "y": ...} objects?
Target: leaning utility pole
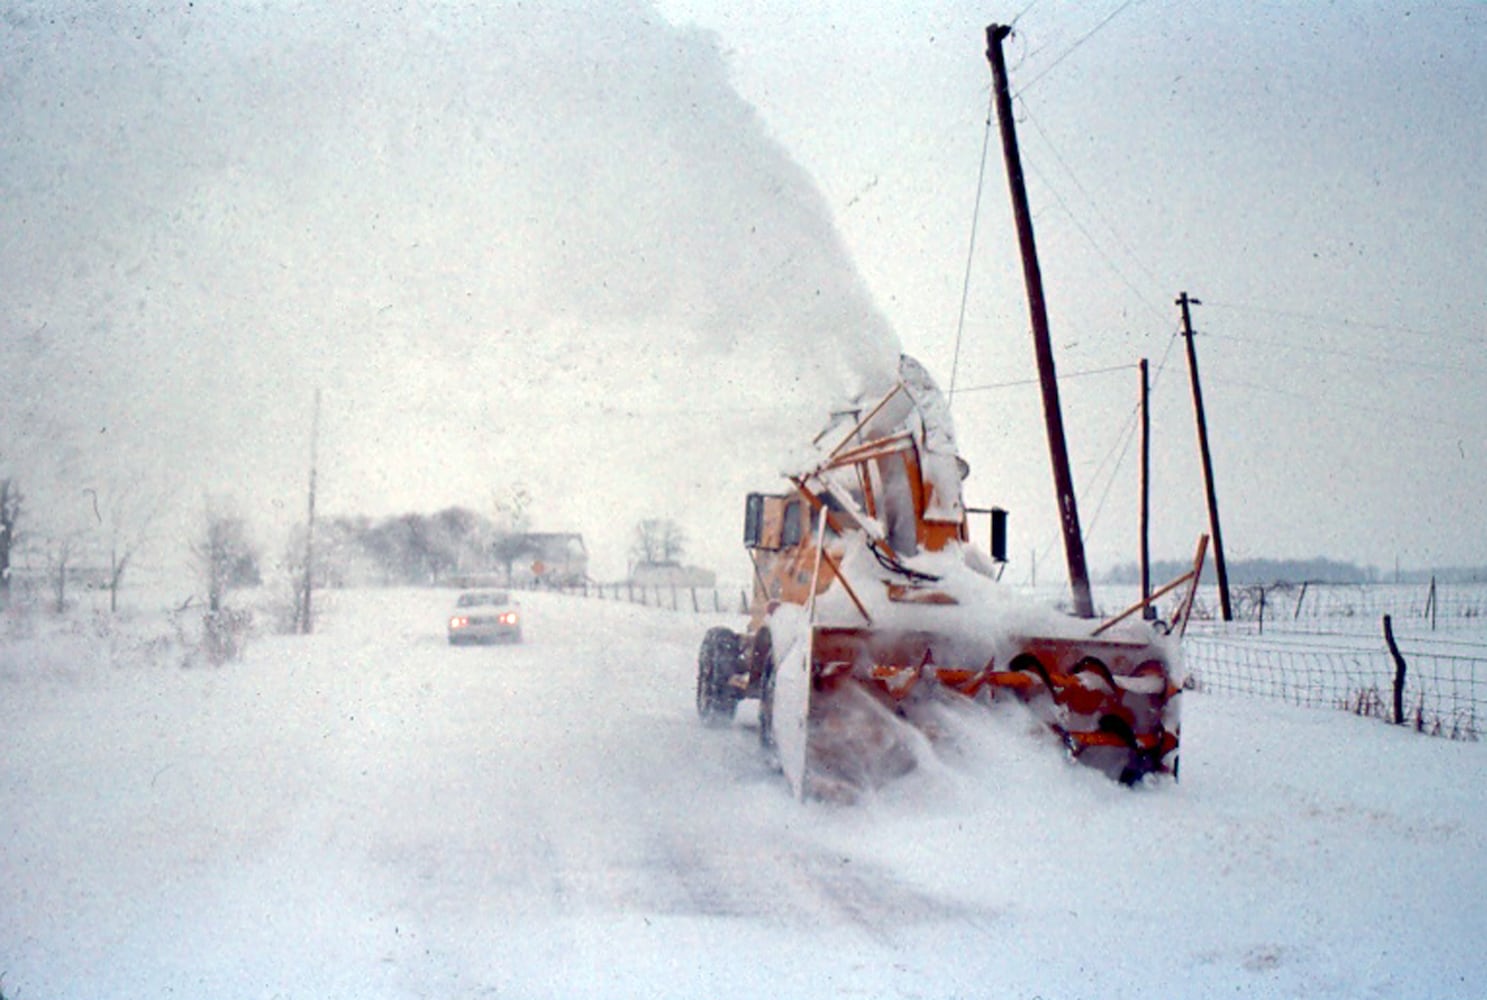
[
  {"x": 1213, "y": 504},
  {"x": 1063, "y": 479}
]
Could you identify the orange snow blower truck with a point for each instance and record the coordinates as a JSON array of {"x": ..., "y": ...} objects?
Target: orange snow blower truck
[{"x": 871, "y": 607}]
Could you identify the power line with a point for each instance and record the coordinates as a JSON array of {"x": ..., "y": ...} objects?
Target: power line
[
  {"x": 1127, "y": 436},
  {"x": 1162, "y": 365},
  {"x": 1089, "y": 237},
  {"x": 1343, "y": 321},
  {"x": 1030, "y": 6},
  {"x": 965, "y": 291},
  {"x": 1063, "y": 376},
  {"x": 1313, "y": 348},
  {"x": 1120, "y": 448},
  {"x": 1124, "y": 246},
  {"x": 1412, "y": 417},
  {"x": 1071, "y": 49}
]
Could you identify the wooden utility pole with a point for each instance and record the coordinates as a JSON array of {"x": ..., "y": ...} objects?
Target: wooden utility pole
[
  {"x": 306, "y": 614},
  {"x": 1213, "y": 504},
  {"x": 1063, "y": 479},
  {"x": 1149, "y": 612}
]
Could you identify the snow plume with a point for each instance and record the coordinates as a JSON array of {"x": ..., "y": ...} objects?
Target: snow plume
[{"x": 503, "y": 239}]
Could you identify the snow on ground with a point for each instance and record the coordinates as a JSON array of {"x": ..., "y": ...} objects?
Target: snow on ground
[{"x": 368, "y": 812}]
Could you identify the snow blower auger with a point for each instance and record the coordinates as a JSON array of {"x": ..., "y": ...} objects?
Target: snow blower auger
[{"x": 870, "y": 605}]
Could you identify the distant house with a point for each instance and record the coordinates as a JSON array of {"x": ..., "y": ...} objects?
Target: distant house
[
  {"x": 671, "y": 574},
  {"x": 556, "y": 559}
]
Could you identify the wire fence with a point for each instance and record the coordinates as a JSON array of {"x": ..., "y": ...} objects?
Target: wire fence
[
  {"x": 1327, "y": 650},
  {"x": 1308, "y": 607},
  {"x": 1438, "y": 688},
  {"x": 667, "y": 597}
]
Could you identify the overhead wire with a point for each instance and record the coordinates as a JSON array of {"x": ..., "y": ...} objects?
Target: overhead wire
[
  {"x": 1166, "y": 356},
  {"x": 1404, "y": 416},
  {"x": 1329, "y": 401},
  {"x": 1072, "y": 48},
  {"x": 1127, "y": 435},
  {"x": 1313, "y": 348},
  {"x": 1084, "y": 230},
  {"x": 1060, "y": 201},
  {"x": 1013, "y": 23},
  {"x": 1344, "y": 321},
  {"x": 1121, "y": 446},
  {"x": 965, "y": 291},
  {"x": 1063, "y": 376}
]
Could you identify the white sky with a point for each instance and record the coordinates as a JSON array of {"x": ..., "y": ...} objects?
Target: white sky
[
  {"x": 1312, "y": 173},
  {"x": 555, "y": 247}
]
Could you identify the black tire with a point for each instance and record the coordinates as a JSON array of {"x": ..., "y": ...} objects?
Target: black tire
[{"x": 717, "y": 662}]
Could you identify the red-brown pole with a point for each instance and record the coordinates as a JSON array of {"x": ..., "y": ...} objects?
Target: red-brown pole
[{"x": 1063, "y": 479}]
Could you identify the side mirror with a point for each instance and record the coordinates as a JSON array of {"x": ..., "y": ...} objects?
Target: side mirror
[{"x": 998, "y": 534}]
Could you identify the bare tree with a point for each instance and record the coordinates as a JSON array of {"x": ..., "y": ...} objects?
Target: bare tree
[
  {"x": 657, "y": 540},
  {"x": 226, "y": 558},
  {"x": 128, "y": 514},
  {"x": 224, "y": 555},
  {"x": 60, "y": 552},
  {"x": 11, "y": 506},
  {"x": 513, "y": 521}
]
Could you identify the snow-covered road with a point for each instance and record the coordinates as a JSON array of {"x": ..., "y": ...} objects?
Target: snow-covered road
[{"x": 369, "y": 812}]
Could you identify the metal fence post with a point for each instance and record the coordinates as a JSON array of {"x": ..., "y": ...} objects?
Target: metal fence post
[{"x": 1399, "y": 671}]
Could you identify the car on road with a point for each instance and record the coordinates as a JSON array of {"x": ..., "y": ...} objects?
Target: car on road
[{"x": 485, "y": 616}]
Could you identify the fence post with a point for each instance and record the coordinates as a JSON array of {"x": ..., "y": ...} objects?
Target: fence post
[
  {"x": 1430, "y": 604},
  {"x": 1399, "y": 669},
  {"x": 1299, "y": 598},
  {"x": 695, "y": 608},
  {"x": 1262, "y": 610}
]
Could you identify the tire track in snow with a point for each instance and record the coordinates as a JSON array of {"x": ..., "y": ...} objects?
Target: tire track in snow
[{"x": 792, "y": 882}]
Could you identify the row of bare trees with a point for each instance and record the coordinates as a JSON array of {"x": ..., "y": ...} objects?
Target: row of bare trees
[
  {"x": 412, "y": 548},
  {"x": 120, "y": 522},
  {"x": 407, "y": 549},
  {"x": 657, "y": 540}
]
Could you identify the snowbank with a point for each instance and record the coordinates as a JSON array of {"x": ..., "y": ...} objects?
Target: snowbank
[{"x": 369, "y": 812}]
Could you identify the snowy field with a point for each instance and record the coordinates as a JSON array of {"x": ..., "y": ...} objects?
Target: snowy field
[{"x": 370, "y": 813}]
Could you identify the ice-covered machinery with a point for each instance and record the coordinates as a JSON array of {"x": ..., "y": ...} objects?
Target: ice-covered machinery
[{"x": 871, "y": 605}]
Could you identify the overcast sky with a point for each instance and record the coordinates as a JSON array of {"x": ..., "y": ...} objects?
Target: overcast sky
[{"x": 629, "y": 254}]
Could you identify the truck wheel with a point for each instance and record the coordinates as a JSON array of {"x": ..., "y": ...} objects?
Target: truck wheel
[{"x": 717, "y": 661}]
